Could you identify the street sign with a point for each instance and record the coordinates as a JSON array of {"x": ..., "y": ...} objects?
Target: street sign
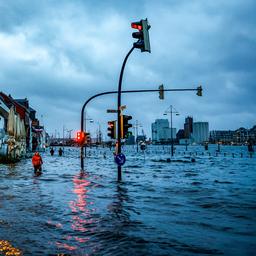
[
  {"x": 120, "y": 159},
  {"x": 111, "y": 111}
]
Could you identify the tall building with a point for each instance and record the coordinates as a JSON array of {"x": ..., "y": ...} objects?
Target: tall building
[
  {"x": 161, "y": 132},
  {"x": 200, "y": 132},
  {"x": 188, "y": 127}
]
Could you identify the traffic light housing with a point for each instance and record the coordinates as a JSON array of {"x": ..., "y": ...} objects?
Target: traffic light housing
[
  {"x": 161, "y": 92},
  {"x": 199, "y": 91},
  {"x": 88, "y": 138},
  {"x": 142, "y": 35},
  {"x": 125, "y": 126},
  {"x": 112, "y": 129},
  {"x": 80, "y": 137}
]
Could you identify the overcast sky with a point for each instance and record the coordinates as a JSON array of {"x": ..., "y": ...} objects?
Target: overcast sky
[{"x": 59, "y": 53}]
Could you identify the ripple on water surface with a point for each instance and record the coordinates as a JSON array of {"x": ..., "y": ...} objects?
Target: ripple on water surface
[{"x": 160, "y": 208}]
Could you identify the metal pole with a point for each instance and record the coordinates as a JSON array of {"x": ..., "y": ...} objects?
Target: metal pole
[
  {"x": 83, "y": 126},
  {"x": 119, "y": 169},
  {"x": 137, "y": 135},
  {"x": 171, "y": 131}
]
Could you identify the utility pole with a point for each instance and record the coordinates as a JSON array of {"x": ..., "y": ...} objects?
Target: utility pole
[{"x": 172, "y": 111}]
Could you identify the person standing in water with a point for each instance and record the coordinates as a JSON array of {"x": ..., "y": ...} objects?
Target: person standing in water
[{"x": 37, "y": 162}]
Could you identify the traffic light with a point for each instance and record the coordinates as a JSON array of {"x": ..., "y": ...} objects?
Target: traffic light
[
  {"x": 142, "y": 35},
  {"x": 112, "y": 129},
  {"x": 199, "y": 91},
  {"x": 80, "y": 138},
  {"x": 125, "y": 126},
  {"x": 161, "y": 92},
  {"x": 88, "y": 138}
]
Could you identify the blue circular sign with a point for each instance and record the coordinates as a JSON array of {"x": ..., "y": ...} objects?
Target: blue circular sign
[{"x": 120, "y": 159}]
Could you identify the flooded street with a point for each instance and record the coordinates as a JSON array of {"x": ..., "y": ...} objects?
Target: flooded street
[{"x": 161, "y": 208}]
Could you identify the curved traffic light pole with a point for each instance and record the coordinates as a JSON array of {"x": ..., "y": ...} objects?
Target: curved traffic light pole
[
  {"x": 119, "y": 149},
  {"x": 83, "y": 125}
]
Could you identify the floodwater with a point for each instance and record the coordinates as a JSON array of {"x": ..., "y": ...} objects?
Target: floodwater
[{"x": 160, "y": 208}]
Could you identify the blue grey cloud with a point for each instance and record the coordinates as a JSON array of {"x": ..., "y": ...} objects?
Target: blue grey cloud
[{"x": 59, "y": 53}]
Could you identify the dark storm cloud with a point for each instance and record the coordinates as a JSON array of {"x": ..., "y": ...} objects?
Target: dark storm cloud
[{"x": 59, "y": 53}]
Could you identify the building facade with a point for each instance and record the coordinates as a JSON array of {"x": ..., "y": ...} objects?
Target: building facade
[
  {"x": 161, "y": 132},
  {"x": 239, "y": 136},
  {"x": 200, "y": 132},
  {"x": 188, "y": 127}
]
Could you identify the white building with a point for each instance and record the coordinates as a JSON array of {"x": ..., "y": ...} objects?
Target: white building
[
  {"x": 200, "y": 132},
  {"x": 161, "y": 132}
]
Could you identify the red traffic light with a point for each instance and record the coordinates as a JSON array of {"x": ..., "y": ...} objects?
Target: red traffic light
[
  {"x": 136, "y": 25},
  {"x": 80, "y": 137},
  {"x": 142, "y": 35}
]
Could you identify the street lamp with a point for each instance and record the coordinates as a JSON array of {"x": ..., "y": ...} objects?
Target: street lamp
[
  {"x": 136, "y": 126},
  {"x": 171, "y": 110}
]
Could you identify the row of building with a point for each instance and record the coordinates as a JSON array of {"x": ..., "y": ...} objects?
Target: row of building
[
  {"x": 193, "y": 132},
  {"x": 20, "y": 130},
  {"x": 239, "y": 136},
  {"x": 198, "y": 133}
]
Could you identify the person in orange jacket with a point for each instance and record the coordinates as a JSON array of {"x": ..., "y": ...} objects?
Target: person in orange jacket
[{"x": 37, "y": 162}]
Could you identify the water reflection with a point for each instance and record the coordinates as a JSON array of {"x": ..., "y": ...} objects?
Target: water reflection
[
  {"x": 81, "y": 217},
  {"x": 117, "y": 207}
]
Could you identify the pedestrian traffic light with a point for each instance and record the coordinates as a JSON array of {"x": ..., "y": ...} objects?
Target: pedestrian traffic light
[
  {"x": 125, "y": 126},
  {"x": 142, "y": 35},
  {"x": 112, "y": 129},
  {"x": 80, "y": 137},
  {"x": 161, "y": 92},
  {"x": 199, "y": 91}
]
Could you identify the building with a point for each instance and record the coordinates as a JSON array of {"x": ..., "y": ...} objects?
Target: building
[
  {"x": 239, "y": 136},
  {"x": 200, "y": 132},
  {"x": 226, "y": 137},
  {"x": 17, "y": 128},
  {"x": 161, "y": 132},
  {"x": 188, "y": 127}
]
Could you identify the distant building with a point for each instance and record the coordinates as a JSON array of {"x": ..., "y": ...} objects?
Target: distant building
[
  {"x": 223, "y": 136},
  {"x": 130, "y": 140},
  {"x": 161, "y": 132},
  {"x": 188, "y": 127},
  {"x": 200, "y": 132},
  {"x": 180, "y": 134},
  {"x": 239, "y": 136}
]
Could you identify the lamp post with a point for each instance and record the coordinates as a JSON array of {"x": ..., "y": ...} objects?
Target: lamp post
[
  {"x": 171, "y": 110},
  {"x": 136, "y": 126}
]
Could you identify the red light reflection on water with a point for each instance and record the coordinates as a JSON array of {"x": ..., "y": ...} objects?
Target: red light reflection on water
[
  {"x": 81, "y": 213},
  {"x": 66, "y": 246}
]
